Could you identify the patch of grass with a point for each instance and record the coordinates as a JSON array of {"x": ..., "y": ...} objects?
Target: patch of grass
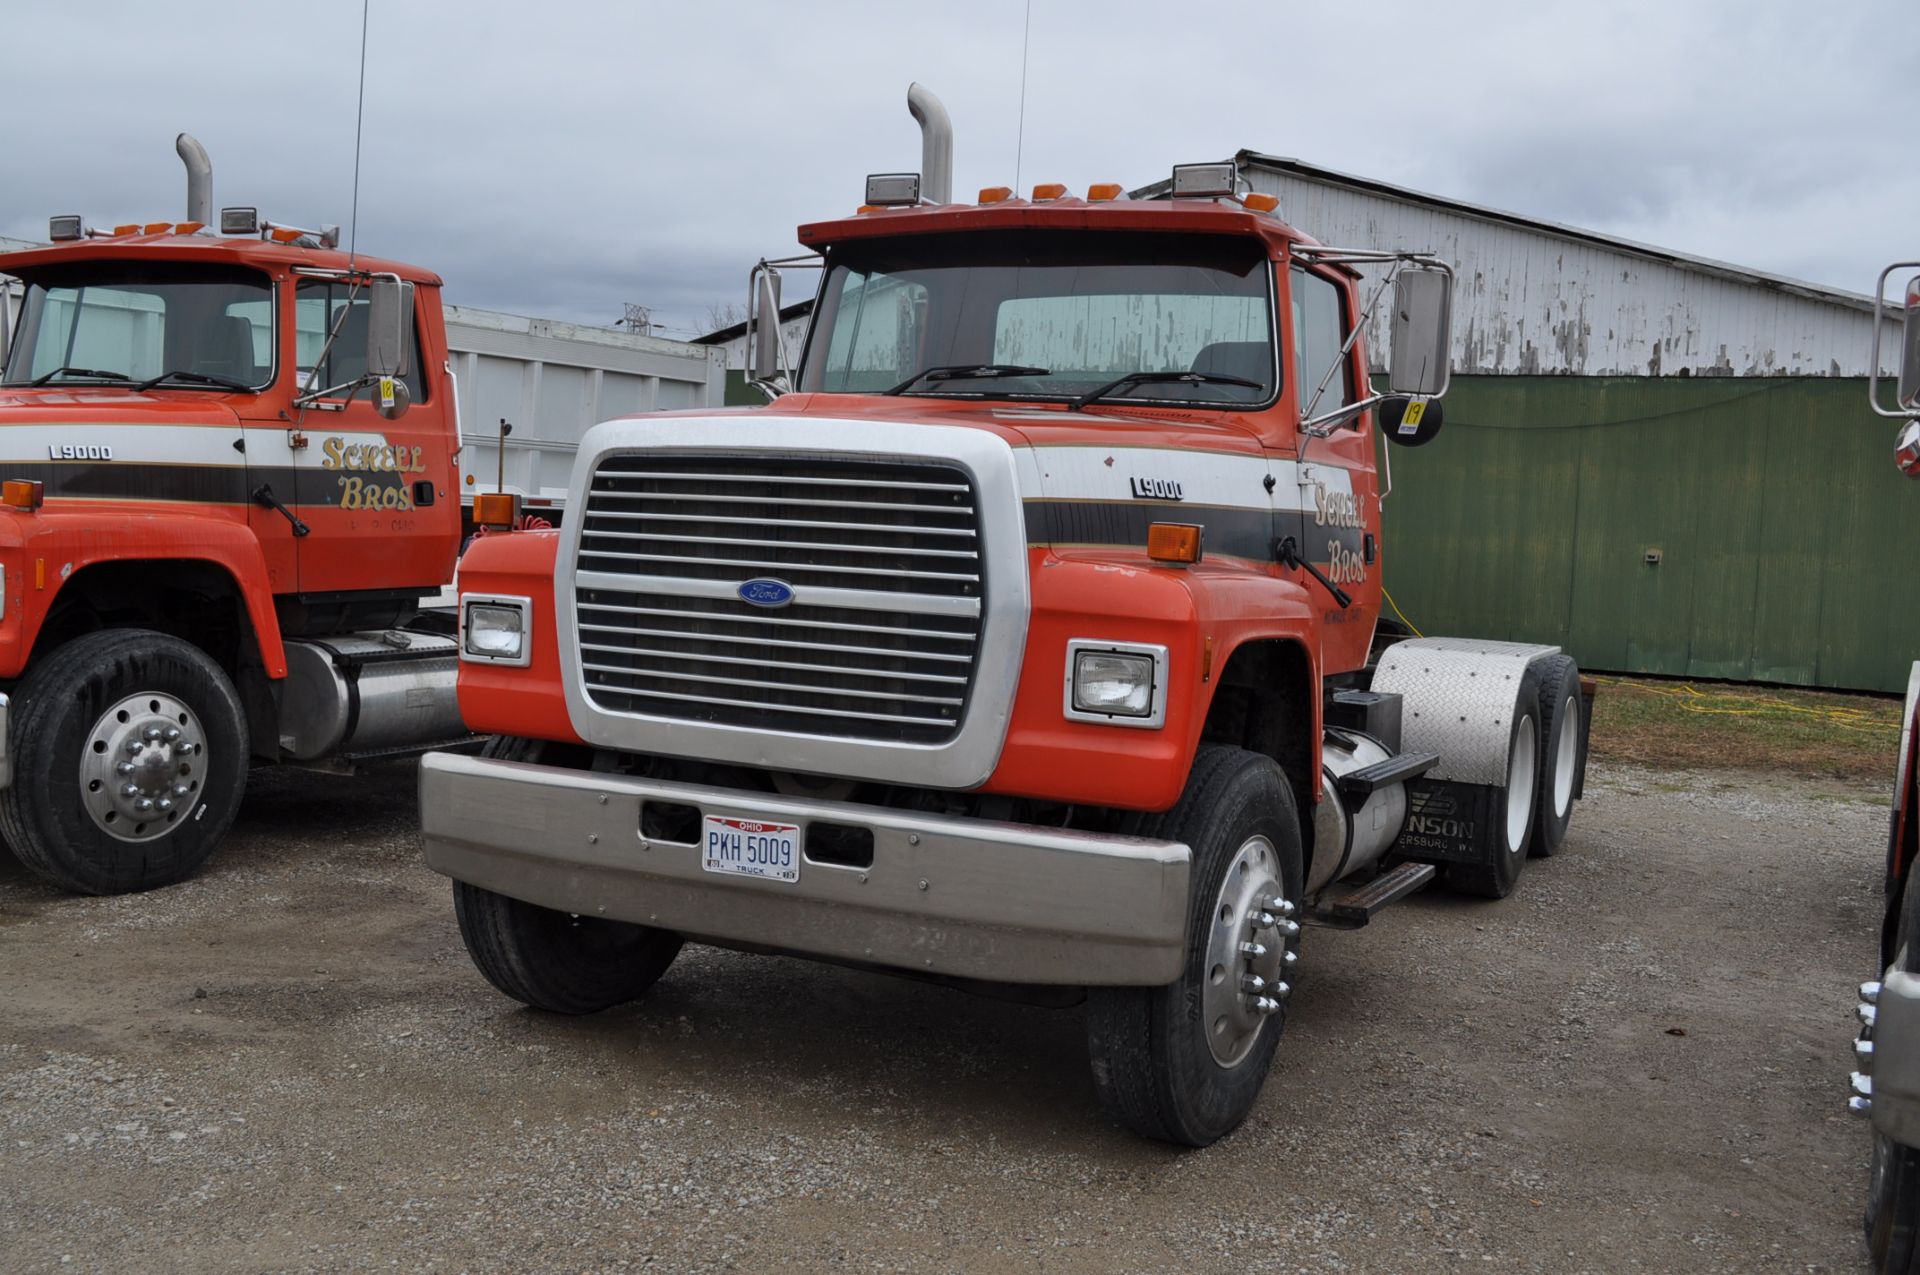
[{"x": 1812, "y": 733}]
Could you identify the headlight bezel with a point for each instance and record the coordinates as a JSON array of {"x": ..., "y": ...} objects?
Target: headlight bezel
[
  {"x": 495, "y": 602},
  {"x": 1155, "y": 715}
]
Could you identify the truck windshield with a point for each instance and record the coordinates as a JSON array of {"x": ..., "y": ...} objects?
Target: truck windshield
[
  {"x": 107, "y": 322},
  {"x": 1088, "y": 308}
]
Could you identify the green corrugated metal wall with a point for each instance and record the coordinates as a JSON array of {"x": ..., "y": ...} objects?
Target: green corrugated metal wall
[{"x": 1780, "y": 520}]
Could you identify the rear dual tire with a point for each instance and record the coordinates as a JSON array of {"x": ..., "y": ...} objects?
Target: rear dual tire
[{"x": 1511, "y": 812}]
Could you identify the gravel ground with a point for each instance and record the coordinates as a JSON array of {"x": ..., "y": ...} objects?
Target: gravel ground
[{"x": 1636, "y": 1063}]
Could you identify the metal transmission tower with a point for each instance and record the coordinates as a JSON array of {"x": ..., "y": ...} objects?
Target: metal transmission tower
[{"x": 638, "y": 319}]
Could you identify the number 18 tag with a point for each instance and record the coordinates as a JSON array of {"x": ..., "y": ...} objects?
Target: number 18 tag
[{"x": 386, "y": 391}]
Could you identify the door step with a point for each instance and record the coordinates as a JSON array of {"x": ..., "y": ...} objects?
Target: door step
[
  {"x": 1352, "y": 910},
  {"x": 1358, "y": 785}
]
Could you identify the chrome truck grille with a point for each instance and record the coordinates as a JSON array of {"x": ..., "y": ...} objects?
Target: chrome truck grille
[{"x": 881, "y": 559}]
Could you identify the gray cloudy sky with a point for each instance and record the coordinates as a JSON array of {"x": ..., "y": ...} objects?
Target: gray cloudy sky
[{"x": 562, "y": 158}]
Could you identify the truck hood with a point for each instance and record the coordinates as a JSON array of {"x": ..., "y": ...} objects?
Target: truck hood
[{"x": 74, "y": 405}]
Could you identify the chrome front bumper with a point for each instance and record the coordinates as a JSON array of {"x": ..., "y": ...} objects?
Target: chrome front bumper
[
  {"x": 1888, "y": 1080},
  {"x": 964, "y": 897}
]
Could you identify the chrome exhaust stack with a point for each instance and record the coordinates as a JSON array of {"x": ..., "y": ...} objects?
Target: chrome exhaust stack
[
  {"x": 936, "y": 144},
  {"x": 199, "y": 178}
]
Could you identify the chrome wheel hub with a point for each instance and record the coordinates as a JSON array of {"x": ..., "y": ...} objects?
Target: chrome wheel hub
[
  {"x": 141, "y": 766},
  {"x": 1249, "y": 952}
]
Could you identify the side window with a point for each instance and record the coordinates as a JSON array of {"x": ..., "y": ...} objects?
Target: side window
[
  {"x": 326, "y": 310},
  {"x": 1319, "y": 330},
  {"x": 877, "y": 334}
]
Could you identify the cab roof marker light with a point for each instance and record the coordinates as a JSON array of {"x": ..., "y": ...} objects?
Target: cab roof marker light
[
  {"x": 66, "y": 229},
  {"x": 995, "y": 194},
  {"x": 893, "y": 190},
  {"x": 131, "y": 228},
  {"x": 156, "y": 228},
  {"x": 239, "y": 221},
  {"x": 1206, "y": 181},
  {"x": 1101, "y": 192},
  {"x": 189, "y": 227},
  {"x": 1049, "y": 190},
  {"x": 1260, "y": 203}
]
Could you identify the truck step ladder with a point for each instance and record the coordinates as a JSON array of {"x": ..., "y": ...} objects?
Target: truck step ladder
[
  {"x": 1352, "y": 910},
  {"x": 1359, "y": 784}
]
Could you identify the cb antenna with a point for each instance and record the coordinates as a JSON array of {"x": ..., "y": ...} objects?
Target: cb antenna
[{"x": 359, "y": 117}]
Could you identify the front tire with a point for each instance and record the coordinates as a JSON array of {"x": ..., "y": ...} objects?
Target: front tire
[
  {"x": 1893, "y": 1180},
  {"x": 130, "y": 758},
  {"x": 1184, "y": 1063},
  {"x": 556, "y": 961}
]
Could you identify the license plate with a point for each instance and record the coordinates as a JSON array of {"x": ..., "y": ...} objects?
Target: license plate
[{"x": 751, "y": 848}]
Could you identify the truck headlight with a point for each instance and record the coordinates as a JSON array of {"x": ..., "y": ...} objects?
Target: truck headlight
[
  {"x": 1119, "y": 683},
  {"x": 496, "y": 630}
]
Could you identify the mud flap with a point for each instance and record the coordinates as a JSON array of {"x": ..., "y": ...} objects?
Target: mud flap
[{"x": 1450, "y": 822}]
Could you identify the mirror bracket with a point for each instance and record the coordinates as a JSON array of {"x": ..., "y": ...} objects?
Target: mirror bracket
[{"x": 768, "y": 369}]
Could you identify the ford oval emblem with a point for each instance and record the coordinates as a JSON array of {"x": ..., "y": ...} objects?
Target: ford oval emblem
[{"x": 766, "y": 592}]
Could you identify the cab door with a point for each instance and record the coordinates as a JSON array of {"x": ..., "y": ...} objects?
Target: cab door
[
  {"x": 1339, "y": 495},
  {"x": 371, "y": 489}
]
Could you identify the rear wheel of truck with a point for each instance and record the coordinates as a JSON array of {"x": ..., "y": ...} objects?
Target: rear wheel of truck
[
  {"x": 1184, "y": 1063},
  {"x": 1510, "y": 813},
  {"x": 1893, "y": 1180},
  {"x": 556, "y": 961},
  {"x": 129, "y": 761},
  {"x": 1560, "y": 707}
]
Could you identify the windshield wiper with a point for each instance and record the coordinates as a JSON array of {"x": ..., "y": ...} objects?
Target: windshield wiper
[
  {"x": 967, "y": 372},
  {"x": 199, "y": 378},
  {"x": 1132, "y": 379},
  {"x": 80, "y": 371}
]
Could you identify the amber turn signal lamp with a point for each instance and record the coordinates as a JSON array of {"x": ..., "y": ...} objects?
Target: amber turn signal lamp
[
  {"x": 23, "y": 493},
  {"x": 131, "y": 228},
  {"x": 1260, "y": 203},
  {"x": 864, "y": 209},
  {"x": 1173, "y": 542},
  {"x": 496, "y": 510},
  {"x": 995, "y": 194},
  {"x": 1049, "y": 190},
  {"x": 188, "y": 227},
  {"x": 1100, "y": 192}
]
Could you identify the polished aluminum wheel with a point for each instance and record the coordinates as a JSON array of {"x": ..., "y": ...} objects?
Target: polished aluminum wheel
[
  {"x": 141, "y": 769},
  {"x": 1247, "y": 955},
  {"x": 1522, "y": 779}
]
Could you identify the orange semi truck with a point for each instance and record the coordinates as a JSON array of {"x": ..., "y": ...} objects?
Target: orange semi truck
[
  {"x": 230, "y": 480},
  {"x": 1026, "y": 638}
]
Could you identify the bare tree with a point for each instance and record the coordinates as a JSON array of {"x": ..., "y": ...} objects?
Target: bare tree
[{"x": 724, "y": 314}]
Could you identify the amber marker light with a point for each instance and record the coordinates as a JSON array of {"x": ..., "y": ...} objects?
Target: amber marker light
[
  {"x": 1049, "y": 190},
  {"x": 995, "y": 194},
  {"x": 1173, "y": 542},
  {"x": 496, "y": 510},
  {"x": 1261, "y": 203},
  {"x": 1101, "y": 192},
  {"x": 26, "y": 494}
]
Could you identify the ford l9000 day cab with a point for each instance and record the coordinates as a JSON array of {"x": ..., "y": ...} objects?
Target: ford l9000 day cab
[
  {"x": 218, "y": 524},
  {"x": 1025, "y": 638}
]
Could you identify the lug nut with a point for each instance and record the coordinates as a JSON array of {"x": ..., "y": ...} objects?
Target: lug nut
[
  {"x": 1862, "y": 1084},
  {"x": 1870, "y": 993},
  {"x": 1282, "y": 990},
  {"x": 1288, "y": 958},
  {"x": 1860, "y": 1106},
  {"x": 163, "y": 804},
  {"x": 1280, "y": 906},
  {"x": 1262, "y": 920},
  {"x": 123, "y": 768},
  {"x": 1865, "y": 1013},
  {"x": 170, "y": 734},
  {"x": 1266, "y": 1005},
  {"x": 129, "y": 790},
  {"x": 135, "y": 747},
  {"x": 1863, "y": 1050},
  {"x": 1253, "y": 951},
  {"x": 151, "y": 734},
  {"x": 181, "y": 790},
  {"x": 143, "y": 805},
  {"x": 1289, "y": 928},
  {"x": 1252, "y": 984}
]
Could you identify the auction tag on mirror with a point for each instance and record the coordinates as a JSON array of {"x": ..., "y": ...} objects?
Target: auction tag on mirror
[
  {"x": 386, "y": 392},
  {"x": 1410, "y": 422}
]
